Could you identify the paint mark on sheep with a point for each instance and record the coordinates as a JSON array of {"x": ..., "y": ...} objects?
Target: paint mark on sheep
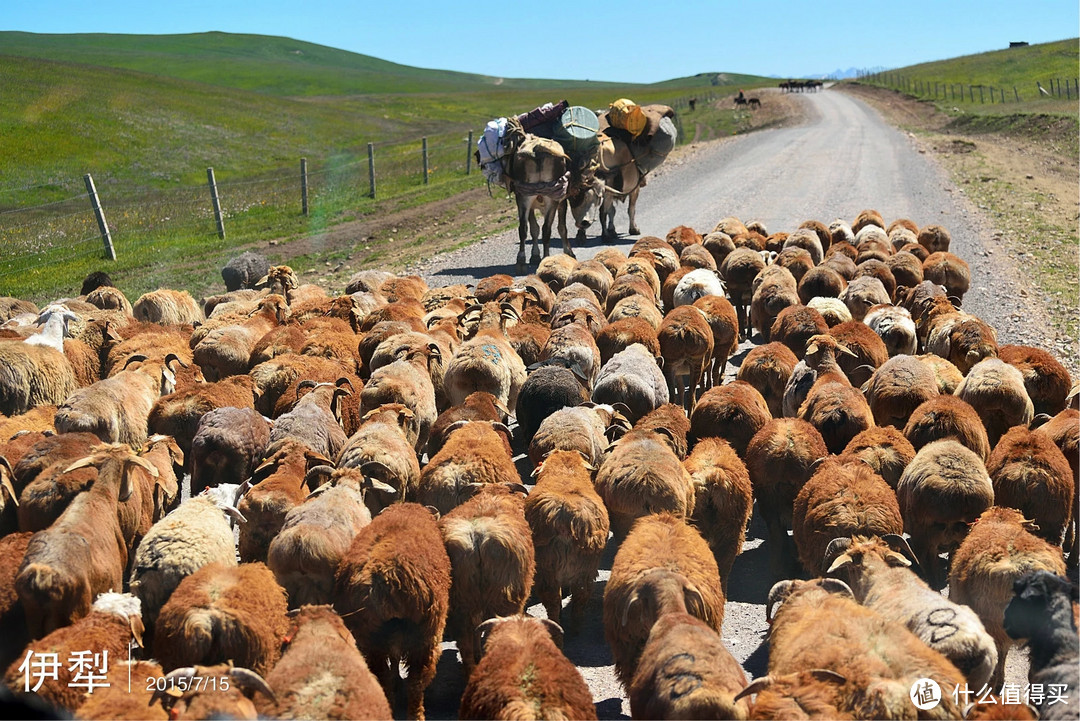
[
  {"x": 942, "y": 621},
  {"x": 680, "y": 679}
]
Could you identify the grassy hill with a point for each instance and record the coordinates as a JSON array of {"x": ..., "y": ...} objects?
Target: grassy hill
[{"x": 270, "y": 65}]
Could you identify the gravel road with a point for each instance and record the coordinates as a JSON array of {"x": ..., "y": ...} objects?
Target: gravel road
[{"x": 842, "y": 159}]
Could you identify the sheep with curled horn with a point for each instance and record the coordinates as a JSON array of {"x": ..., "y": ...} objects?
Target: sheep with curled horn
[{"x": 230, "y": 696}]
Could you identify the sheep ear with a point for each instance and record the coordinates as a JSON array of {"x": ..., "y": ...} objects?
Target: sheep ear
[
  {"x": 897, "y": 560},
  {"x": 81, "y": 463},
  {"x": 846, "y": 351},
  {"x": 555, "y": 630},
  {"x": 811, "y": 349},
  {"x": 536, "y": 471},
  {"x": 234, "y": 514},
  {"x": 900, "y": 545},
  {"x": 136, "y": 625},
  {"x": 377, "y": 485},
  {"x": 756, "y": 686},
  {"x": 836, "y": 552}
]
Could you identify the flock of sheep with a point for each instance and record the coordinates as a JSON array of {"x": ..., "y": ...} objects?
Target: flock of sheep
[{"x": 354, "y": 498}]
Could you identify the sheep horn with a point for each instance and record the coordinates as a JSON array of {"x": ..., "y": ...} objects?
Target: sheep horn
[
  {"x": 755, "y": 686},
  {"x": 248, "y": 679},
  {"x": 455, "y": 426},
  {"x": 899, "y": 544},
  {"x": 499, "y": 426},
  {"x": 319, "y": 475},
  {"x": 835, "y": 585},
  {"x": 835, "y": 556},
  {"x": 170, "y": 688},
  {"x": 777, "y": 594},
  {"x": 173, "y": 357},
  {"x": 5, "y": 481},
  {"x": 136, "y": 358},
  {"x": 824, "y": 674},
  {"x": 626, "y": 609},
  {"x": 305, "y": 384},
  {"x": 343, "y": 381},
  {"x": 500, "y": 291},
  {"x": 1039, "y": 420},
  {"x": 555, "y": 630}
]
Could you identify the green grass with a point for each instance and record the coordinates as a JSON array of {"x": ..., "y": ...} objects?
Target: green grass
[
  {"x": 976, "y": 82},
  {"x": 146, "y": 115}
]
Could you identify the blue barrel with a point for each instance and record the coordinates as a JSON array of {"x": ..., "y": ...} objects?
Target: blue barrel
[{"x": 576, "y": 131}]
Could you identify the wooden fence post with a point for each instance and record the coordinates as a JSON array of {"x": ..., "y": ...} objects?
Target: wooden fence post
[
  {"x": 106, "y": 236},
  {"x": 468, "y": 154},
  {"x": 423, "y": 150},
  {"x": 217, "y": 203},
  {"x": 1068, "y": 94},
  {"x": 1016, "y": 93},
  {"x": 981, "y": 99},
  {"x": 371, "y": 168},
  {"x": 303, "y": 185},
  {"x": 971, "y": 92}
]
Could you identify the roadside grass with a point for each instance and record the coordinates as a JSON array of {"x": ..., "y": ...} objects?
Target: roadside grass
[
  {"x": 966, "y": 81},
  {"x": 147, "y": 140}
]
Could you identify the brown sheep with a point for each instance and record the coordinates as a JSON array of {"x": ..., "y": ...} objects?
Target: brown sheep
[
  {"x": 381, "y": 449},
  {"x": 950, "y": 271},
  {"x": 685, "y": 671},
  {"x": 223, "y": 613},
  {"x": 947, "y": 375},
  {"x": 719, "y": 245},
  {"x": 316, "y": 533},
  {"x": 870, "y": 351},
  {"x": 897, "y": 388},
  {"x": 844, "y": 497},
  {"x": 492, "y": 563},
  {"x": 474, "y": 454},
  {"x": 228, "y": 445},
  {"x": 1046, "y": 380},
  {"x": 774, "y": 289},
  {"x": 670, "y": 421},
  {"x": 636, "y": 305},
  {"x": 113, "y": 623},
  {"x": 798, "y": 261},
  {"x": 768, "y": 368},
  {"x": 569, "y": 525},
  {"x": 941, "y": 492},
  {"x": 479, "y": 406},
  {"x": 795, "y": 325},
  {"x": 906, "y": 269},
  {"x": 686, "y": 344},
  {"x": 837, "y": 410},
  {"x": 724, "y": 499},
  {"x": 116, "y": 702},
  {"x": 875, "y": 268},
  {"x": 397, "y": 573},
  {"x": 224, "y": 692},
  {"x": 523, "y": 674},
  {"x": 946, "y": 416},
  {"x": 1031, "y": 474},
  {"x": 734, "y": 412},
  {"x": 884, "y": 449},
  {"x": 279, "y": 487},
  {"x": 664, "y": 566},
  {"x": 724, "y": 323},
  {"x": 178, "y": 413},
  {"x": 998, "y": 550},
  {"x": 619, "y": 335},
  {"x": 822, "y": 281},
  {"x": 641, "y": 475},
  {"x": 879, "y": 661},
  {"x": 697, "y": 256},
  {"x": 1064, "y": 430},
  {"x": 321, "y": 673},
  {"x": 739, "y": 269},
  {"x": 83, "y": 553},
  {"x": 12, "y": 616},
  {"x": 959, "y": 337},
  {"x": 780, "y": 458},
  {"x": 487, "y": 361},
  {"x": 996, "y": 391},
  {"x": 556, "y": 268}
]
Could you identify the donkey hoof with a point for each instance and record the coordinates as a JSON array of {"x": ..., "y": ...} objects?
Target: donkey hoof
[
  {"x": 535, "y": 259},
  {"x": 634, "y": 230}
]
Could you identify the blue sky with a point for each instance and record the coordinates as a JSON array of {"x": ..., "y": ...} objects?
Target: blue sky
[{"x": 618, "y": 40}]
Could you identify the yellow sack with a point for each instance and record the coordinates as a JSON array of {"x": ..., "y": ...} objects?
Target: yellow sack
[{"x": 627, "y": 115}]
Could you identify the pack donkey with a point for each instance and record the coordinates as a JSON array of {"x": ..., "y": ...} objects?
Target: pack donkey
[
  {"x": 622, "y": 180},
  {"x": 544, "y": 179}
]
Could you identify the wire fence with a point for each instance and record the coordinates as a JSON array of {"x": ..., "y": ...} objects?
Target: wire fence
[{"x": 921, "y": 87}]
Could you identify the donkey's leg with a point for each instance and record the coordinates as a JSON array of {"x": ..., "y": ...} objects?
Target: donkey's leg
[{"x": 631, "y": 210}]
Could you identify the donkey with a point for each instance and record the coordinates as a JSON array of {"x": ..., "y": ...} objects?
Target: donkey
[
  {"x": 622, "y": 181},
  {"x": 538, "y": 174}
]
